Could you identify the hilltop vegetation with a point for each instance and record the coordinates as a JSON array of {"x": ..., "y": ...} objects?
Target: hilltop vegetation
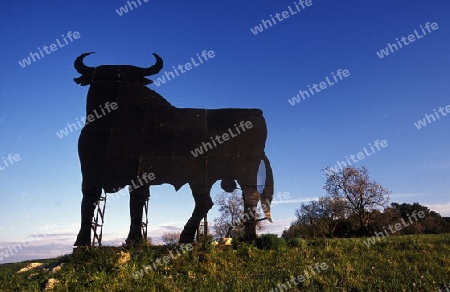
[
  {"x": 357, "y": 206},
  {"x": 396, "y": 263}
]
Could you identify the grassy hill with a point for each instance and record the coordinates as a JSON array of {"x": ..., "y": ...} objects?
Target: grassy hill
[{"x": 403, "y": 263}]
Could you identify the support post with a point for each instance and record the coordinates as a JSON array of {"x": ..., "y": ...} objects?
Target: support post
[
  {"x": 144, "y": 224},
  {"x": 96, "y": 226},
  {"x": 202, "y": 231}
]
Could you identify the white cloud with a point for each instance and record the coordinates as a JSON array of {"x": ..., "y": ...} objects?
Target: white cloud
[
  {"x": 277, "y": 202},
  {"x": 36, "y": 252},
  {"x": 409, "y": 195},
  {"x": 442, "y": 209},
  {"x": 277, "y": 226}
]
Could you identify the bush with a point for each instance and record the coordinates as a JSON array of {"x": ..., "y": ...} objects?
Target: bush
[
  {"x": 270, "y": 241},
  {"x": 317, "y": 242},
  {"x": 236, "y": 242},
  {"x": 206, "y": 247},
  {"x": 245, "y": 250},
  {"x": 298, "y": 242}
]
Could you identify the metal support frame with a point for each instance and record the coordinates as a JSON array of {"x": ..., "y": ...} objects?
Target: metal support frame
[
  {"x": 97, "y": 227},
  {"x": 203, "y": 224},
  {"x": 100, "y": 214}
]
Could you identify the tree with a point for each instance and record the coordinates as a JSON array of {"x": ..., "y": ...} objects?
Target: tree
[
  {"x": 323, "y": 214},
  {"x": 297, "y": 230},
  {"x": 170, "y": 237},
  {"x": 381, "y": 220},
  {"x": 361, "y": 194},
  {"x": 232, "y": 218},
  {"x": 414, "y": 218},
  {"x": 431, "y": 223}
]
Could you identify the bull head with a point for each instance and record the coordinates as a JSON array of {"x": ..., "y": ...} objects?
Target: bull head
[{"x": 111, "y": 73}]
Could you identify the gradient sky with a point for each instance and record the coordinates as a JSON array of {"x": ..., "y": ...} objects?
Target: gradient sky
[{"x": 381, "y": 99}]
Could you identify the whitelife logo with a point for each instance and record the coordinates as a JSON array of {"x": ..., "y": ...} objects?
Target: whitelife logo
[
  {"x": 308, "y": 273},
  {"x": 124, "y": 9},
  {"x": 35, "y": 56},
  {"x": 284, "y": 15},
  {"x": 356, "y": 158},
  {"x": 398, "y": 226},
  {"x": 169, "y": 75},
  {"x": 161, "y": 262},
  {"x": 16, "y": 248},
  {"x": 411, "y": 38},
  {"x": 90, "y": 118},
  {"x": 145, "y": 179},
  {"x": 323, "y": 85},
  {"x": 431, "y": 118},
  {"x": 243, "y": 125},
  {"x": 11, "y": 158}
]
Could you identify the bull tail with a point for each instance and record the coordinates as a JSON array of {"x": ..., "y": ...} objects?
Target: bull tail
[{"x": 267, "y": 188}]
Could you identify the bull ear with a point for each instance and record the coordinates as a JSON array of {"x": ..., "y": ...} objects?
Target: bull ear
[
  {"x": 155, "y": 68},
  {"x": 79, "y": 65}
]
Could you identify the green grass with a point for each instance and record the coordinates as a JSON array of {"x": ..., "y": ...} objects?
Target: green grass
[{"x": 404, "y": 263}]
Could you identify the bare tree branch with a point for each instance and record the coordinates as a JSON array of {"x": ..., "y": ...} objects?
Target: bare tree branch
[
  {"x": 232, "y": 218},
  {"x": 362, "y": 194}
]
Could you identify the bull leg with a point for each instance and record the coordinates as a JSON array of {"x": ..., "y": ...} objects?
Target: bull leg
[
  {"x": 251, "y": 198},
  {"x": 90, "y": 198},
  {"x": 203, "y": 203},
  {"x": 138, "y": 197}
]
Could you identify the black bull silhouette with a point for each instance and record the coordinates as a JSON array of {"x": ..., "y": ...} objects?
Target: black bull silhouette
[{"x": 146, "y": 134}]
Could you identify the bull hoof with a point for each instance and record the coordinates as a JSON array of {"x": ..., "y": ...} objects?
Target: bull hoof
[
  {"x": 183, "y": 241},
  {"x": 82, "y": 242},
  {"x": 135, "y": 235},
  {"x": 186, "y": 238},
  {"x": 132, "y": 241},
  {"x": 187, "y": 235},
  {"x": 83, "y": 237}
]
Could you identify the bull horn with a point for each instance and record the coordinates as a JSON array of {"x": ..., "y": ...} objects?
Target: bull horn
[
  {"x": 155, "y": 68},
  {"x": 79, "y": 65}
]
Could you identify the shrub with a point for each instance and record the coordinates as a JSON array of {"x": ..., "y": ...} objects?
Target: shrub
[
  {"x": 298, "y": 242},
  {"x": 270, "y": 241},
  {"x": 244, "y": 250}
]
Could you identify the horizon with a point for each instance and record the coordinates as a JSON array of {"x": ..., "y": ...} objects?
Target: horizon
[{"x": 331, "y": 78}]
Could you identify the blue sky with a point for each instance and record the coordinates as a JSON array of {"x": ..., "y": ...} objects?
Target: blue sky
[{"x": 381, "y": 99}]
